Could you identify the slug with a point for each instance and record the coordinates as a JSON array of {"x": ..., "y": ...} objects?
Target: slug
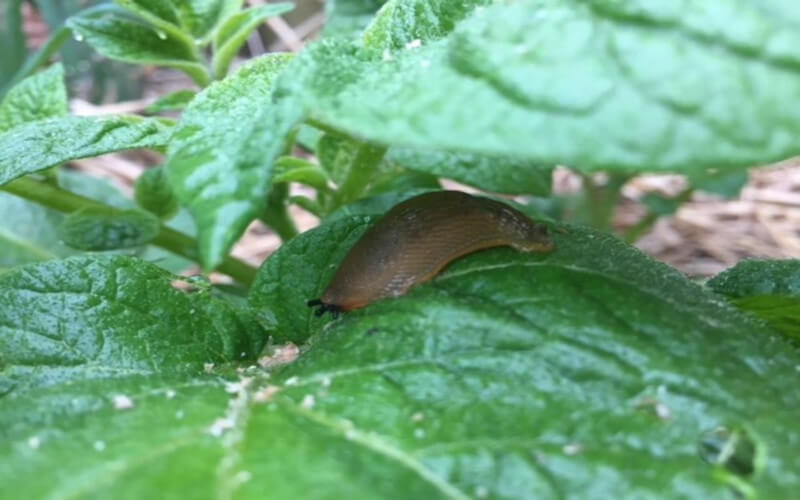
[{"x": 418, "y": 238}]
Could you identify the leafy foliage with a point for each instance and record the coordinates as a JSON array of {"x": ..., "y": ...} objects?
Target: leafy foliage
[
  {"x": 589, "y": 372},
  {"x": 769, "y": 289}
]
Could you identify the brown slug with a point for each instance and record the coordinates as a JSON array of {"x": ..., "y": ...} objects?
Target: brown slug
[{"x": 417, "y": 238}]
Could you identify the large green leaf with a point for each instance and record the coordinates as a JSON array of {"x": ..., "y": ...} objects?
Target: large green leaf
[
  {"x": 770, "y": 289},
  {"x": 39, "y": 145},
  {"x": 613, "y": 85},
  {"x": 593, "y": 372},
  {"x": 37, "y": 97},
  {"x": 124, "y": 39},
  {"x": 220, "y": 158}
]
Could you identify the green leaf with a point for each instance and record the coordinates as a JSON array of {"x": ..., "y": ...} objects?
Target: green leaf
[
  {"x": 37, "y": 97},
  {"x": 661, "y": 205},
  {"x": 488, "y": 358},
  {"x": 12, "y": 39},
  {"x": 349, "y": 17},
  {"x": 123, "y": 39},
  {"x": 509, "y": 376},
  {"x": 769, "y": 289},
  {"x": 95, "y": 229},
  {"x": 220, "y": 159},
  {"x": 291, "y": 169},
  {"x": 36, "y": 146},
  {"x": 174, "y": 101},
  {"x": 154, "y": 194},
  {"x": 574, "y": 83},
  {"x": 197, "y": 18},
  {"x": 28, "y": 232},
  {"x": 236, "y": 29},
  {"x": 505, "y": 174},
  {"x": 402, "y": 22},
  {"x": 110, "y": 317},
  {"x": 723, "y": 183}
]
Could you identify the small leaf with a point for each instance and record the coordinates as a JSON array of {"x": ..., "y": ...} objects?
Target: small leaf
[
  {"x": 154, "y": 194},
  {"x": 769, "y": 289},
  {"x": 723, "y": 183},
  {"x": 220, "y": 159},
  {"x": 174, "y": 101},
  {"x": 236, "y": 29},
  {"x": 126, "y": 40},
  {"x": 37, "y": 97},
  {"x": 291, "y": 169},
  {"x": 94, "y": 229},
  {"x": 36, "y": 146}
]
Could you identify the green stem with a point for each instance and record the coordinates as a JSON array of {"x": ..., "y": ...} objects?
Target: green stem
[
  {"x": 276, "y": 214},
  {"x": 363, "y": 167},
  {"x": 168, "y": 238},
  {"x": 603, "y": 198},
  {"x": 44, "y": 54}
]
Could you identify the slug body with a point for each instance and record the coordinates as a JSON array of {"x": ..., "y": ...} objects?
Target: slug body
[{"x": 417, "y": 238}]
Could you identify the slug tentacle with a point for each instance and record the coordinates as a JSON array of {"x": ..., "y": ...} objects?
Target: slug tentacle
[{"x": 418, "y": 238}]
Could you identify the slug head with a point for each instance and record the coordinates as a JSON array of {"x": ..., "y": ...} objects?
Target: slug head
[
  {"x": 323, "y": 308},
  {"x": 534, "y": 237}
]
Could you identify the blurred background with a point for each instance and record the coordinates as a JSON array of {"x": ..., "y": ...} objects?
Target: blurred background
[{"x": 699, "y": 230}]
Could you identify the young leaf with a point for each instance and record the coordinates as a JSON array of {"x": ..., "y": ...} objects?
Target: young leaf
[
  {"x": 769, "y": 289},
  {"x": 37, "y": 97},
  {"x": 120, "y": 38},
  {"x": 97, "y": 230},
  {"x": 197, "y": 18},
  {"x": 291, "y": 169},
  {"x": 220, "y": 159},
  {"x": 28, "y": 232},
  {"x": 39, "y": 145},
  {"x": 154, "y": 194},
  {"x": 236, "y": 29},
  {"x": 571, "y": 83}
]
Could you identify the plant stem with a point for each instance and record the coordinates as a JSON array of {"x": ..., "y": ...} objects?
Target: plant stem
[
  {"x": 603, "y": 198},
  {"x": 168, "y": 238},
  {"x": 361, "y": 170},
  {"x": 642, "y": 227},
  {"x": 276, "y": 215}
]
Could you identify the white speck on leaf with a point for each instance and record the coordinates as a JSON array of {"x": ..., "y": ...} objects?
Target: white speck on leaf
[
  {"x": 387, "y": 55},
  {"x": 419, "y": 433},
  {"x": 281, "y": 355},
  {"x": 265, "y": 394},
  {"x": 238, "y": 386},
  {"x": 663, "y": 412},
  {"x": 425, "y": 63},
  {"x": 170, "y": 393},
  {"x": 99, "y": 445},
  {"x": 220, "y": 425},
  {"x": 308, "y": 402},
  {"x": 326, "y": 381},
  {"x": 572, "y": 448},
  {"x": 34, "y": 442},
  {"x": 179, "y": 414},
  {"x": 481, "y": 492},
  {"x": 291, "y": 381},
  {"x": 208, "y": 367},
  {"x": 123, "y": 402},
  {"x": 418, "y": 417},
  {"x": 414, "y": 44}
]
